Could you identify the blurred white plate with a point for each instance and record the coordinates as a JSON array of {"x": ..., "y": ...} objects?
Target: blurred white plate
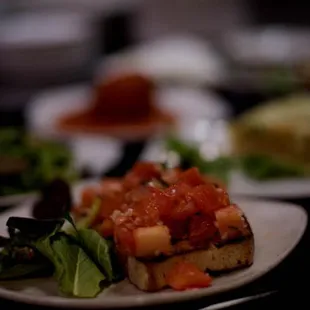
[
  {"x": 284, "y": 189},
  {"x": 98, "y": 151},
  {"x": 273, "y": 242},
  {"x": 185, "y": 60},
  {"x": 10, "y": 200},
  {"x": 186, "y": 103},
  {"x": 214, "y": 142},
  {"x": 28, "y": 198}
]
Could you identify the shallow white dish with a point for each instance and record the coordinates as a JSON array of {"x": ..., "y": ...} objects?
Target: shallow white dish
[
  {"x": 285, "y": 188},
  {"x": 179, "y": 59},
  {"x": 185, "y": 103},
  {"x": 239, "y": 184},
  {"x": 12, "y": 200},
  {"x": 273, "y": 242}
]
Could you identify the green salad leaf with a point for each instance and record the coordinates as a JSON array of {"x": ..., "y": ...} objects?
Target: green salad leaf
[
  {"x": 76, "y": 273},
  {"x": 256, "y": 166},
  {"x": 190, "y": 156},
  {"x": 97, "y": 247},
  {"x": 80, "y": 259},
  {"x": 99, "y": 250},
  {"x": 262, "y": 167},
  {"x": 31, "y": 162}
]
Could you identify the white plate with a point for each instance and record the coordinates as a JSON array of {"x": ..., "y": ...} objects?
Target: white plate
[
  {"x": 10, "y": 200},
  {"x": 273, "y": 242},
  {"x": 183, "y": 102},
  {"x": 98, "y": 152},
  {"x": 22, "y": 198},
  {"x": 181, "y": 60},
  {"x": 285, "y": 188},
  {"x": 214, "y": 142}
]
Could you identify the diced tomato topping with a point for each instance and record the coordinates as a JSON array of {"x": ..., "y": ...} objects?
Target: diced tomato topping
[
  {"x": 207, "y": 198},
  {"x": 185, "y": 275},
  {"x": 230, "y": 222},
  {"x": 109, "y": 204},
  {"x": 202, "y": 230},
  {"x": 123, "y": 235},
  {"x": 192, "y": 177},
  {"x": 109, "y": 185},
  {"x": 178, "y": 229},
  {"x": 141, "y": 172},
  {"x": 106, "y": 228},
  {"x": 171, "y": 176},
  {"x": 138, "y": 193},
  {"x": 187, "y": 206},
  {"x": 88, "y": 196},
  {"x": 178, "y": 191},
  {"x": 183, "y": 210},
  {"x": 161, "y": 202}
]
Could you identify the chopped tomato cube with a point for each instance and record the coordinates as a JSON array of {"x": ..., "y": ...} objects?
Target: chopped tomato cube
[
  {"x": 185, "y": 275},
  {"x": 171, "y": 176},
  {"x": 123, "y": 235},
  {"x": 207, "y": 198},
  {"x": 178, "y": 190},
  {"x": 88, "y": 196},
  {"x": 109, "y": 185},
  {"x": 109, "y": 204},
  {"x": 106, "y": 228},
  {"x": 231, "y": 223},
  {"x": 192, "y": 177},
  {"x": 184, "y": 210},
  {"x": 178, "y": 229},
  {"x": 141, "y": 172},
  {"x": 202, "y": 230}
]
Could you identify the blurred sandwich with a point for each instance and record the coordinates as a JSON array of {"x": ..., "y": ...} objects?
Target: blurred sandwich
[{"x": 273, "y": 139}]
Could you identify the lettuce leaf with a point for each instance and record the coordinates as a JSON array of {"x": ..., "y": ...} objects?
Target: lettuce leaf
[
  {"x": 76, "y": 273},
  {"x": 262, "y": 167},
  {"x": 98, "y": 249}
]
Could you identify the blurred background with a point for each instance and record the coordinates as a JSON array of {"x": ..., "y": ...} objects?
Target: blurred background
[{"x": 64, "y": 65}]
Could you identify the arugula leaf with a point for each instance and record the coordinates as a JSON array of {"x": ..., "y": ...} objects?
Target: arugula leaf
[
  {"x": 81, "y": 261},
  {"x": 81, "y": 278},
  {"x": 98, "y": 249},
  {"x": 95, "y": 245},
  {"x": 77, "y": 275}
]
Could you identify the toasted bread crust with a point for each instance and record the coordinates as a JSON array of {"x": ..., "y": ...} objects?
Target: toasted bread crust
[{"x": 150, "y": 276}]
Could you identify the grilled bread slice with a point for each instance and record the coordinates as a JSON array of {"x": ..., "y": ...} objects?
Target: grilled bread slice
[{"x": 151, "y": 275}]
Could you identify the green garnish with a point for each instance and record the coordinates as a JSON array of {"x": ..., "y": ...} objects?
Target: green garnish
[
  {"x": 190, "y": 156},
  {"x": 27, "y": 163},
  {"x": 81, "y": 262}
]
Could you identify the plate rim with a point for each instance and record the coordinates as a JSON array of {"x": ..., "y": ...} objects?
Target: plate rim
[
  {"x": 270, "y": 196},
  {"x": 137, "y": 301}
]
